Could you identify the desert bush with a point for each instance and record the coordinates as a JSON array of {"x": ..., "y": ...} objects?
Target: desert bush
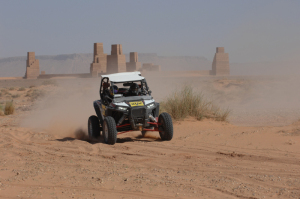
[
  {"x": 35, "y": 94},
  {"x": 9, "y": 108},
  {"x": 186, "y": 102},
  {"x": 32, "y": 86},
  {"x": 11, "y": 88},
  {"x": 1, "y": 110},
  {"x": 15, "y": 96},
  {"x": 49, "y": 82},
  {"x": 5, "y": 92},
  {"x": 21, "y": 89}
]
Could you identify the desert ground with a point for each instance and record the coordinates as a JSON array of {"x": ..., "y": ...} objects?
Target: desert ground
[{"x": 45, "y": 151}]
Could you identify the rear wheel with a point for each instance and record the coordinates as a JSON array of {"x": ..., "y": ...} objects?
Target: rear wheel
[
  {"x": 93, "y": 127},
  {"x": 166, "y": 127},
  {"x": 109, "y": 130}
]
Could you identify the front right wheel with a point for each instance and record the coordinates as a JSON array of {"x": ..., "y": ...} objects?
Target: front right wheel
[
  {"x": 109, "y": 130},
  {"x": 165, "y": 127}
]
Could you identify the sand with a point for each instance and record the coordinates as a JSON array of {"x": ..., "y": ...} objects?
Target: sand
[{"x": 45, "y": 152}]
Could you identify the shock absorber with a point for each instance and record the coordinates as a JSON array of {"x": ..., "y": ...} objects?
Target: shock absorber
[
  {"x": 121, "y": 119},
  {"x": 152, "y": 118}
]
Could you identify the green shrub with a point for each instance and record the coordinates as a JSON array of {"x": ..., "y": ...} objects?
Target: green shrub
[
  {"x": 186, "y": 102},
  {"x": 9, "y": 108},
  {"x": 21, "y": 89}
]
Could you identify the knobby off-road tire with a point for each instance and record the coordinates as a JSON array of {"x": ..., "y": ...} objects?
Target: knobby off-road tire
[
  {"x": 109, "y": 130},
  {"x": 166, "y": 127},
  {"x": 93, "y": 127}
]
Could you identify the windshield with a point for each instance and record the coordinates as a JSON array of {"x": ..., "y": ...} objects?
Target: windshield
[{"x": 129, "y": 89}]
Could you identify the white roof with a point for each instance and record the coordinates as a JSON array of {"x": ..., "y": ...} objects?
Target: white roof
[{"x": 124, "y": 77}]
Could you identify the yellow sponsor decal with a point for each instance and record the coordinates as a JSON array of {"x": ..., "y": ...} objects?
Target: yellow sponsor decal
[
  {"x": 139, "y": 103},
  {"x": 103, "y": 109}
]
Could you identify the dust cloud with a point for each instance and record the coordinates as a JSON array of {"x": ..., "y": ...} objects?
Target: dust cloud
[
  {"x": 65, "y": 110},
  {"x": 253, "y": 100}
]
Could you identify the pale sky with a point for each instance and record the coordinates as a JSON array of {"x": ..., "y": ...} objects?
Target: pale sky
[{"x": 250, "y": 31}]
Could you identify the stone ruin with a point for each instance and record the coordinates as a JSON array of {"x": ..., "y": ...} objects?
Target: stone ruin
[
  {"x": 133, "y": 64},
  {"x": 116, "y": 62},
  {"x": 220, "y": 65},
  {"x": 32, "y": 66},
  {"x": 151, "y": 67},
  {"x": 99, "y": 64}
]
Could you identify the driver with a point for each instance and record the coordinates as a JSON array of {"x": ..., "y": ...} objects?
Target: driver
[
  {"x": 113, "y": 90},
  {"x": 134, "y": 90}
]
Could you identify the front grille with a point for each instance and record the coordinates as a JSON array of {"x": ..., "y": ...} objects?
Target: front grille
[{"x": 138, "y": 112}]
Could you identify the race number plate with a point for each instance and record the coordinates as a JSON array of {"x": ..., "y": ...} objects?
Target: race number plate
[{"x": 139, "y": 103}]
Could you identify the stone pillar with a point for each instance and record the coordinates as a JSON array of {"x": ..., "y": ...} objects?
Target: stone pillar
[
  {"x": 133, "y": 64},
  {"x": 116, "y": 62},
  {"x": 220, "y": 65},
  {"x": 99, "y": 64},
  {"x": 32, "y": 66}
]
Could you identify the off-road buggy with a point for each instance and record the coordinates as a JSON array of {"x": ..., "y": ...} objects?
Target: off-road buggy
[{"x": 126, "y": 105}]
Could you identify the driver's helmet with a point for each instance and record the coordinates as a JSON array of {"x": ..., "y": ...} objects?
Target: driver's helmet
[
  {"x": 114, "y": 89},
  {"x": 134, "y": 89}
]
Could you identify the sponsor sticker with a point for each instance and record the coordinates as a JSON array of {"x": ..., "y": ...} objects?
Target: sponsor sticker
[
  {"x": 103, "y": 109},
  {"x": 139, "y": 103}
]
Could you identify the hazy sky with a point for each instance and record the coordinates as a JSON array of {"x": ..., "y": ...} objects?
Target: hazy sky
[{"x": 250, "y": 31}]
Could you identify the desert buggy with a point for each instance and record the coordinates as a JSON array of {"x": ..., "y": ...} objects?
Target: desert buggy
[{"x": 126, "y": 105}]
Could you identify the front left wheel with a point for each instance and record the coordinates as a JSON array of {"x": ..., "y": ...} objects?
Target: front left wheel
[
  {"x": 93, "y": 127},
  {"x": 165, "y": 127},
  {"x": 109, "y": 130}
]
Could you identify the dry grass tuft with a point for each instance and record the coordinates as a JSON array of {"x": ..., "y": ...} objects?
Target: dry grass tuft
[
  {"x": 5, "y": 92},
  {"x": 50, "y": 82},
  {"x": 1, "y": 110},
  {"x": 11, "y": 88},
  {"x": 185, "y": 102},
  {"x": 34, "y": 94},
  {"x": 15, "y": 96},
  {"x": 21, "y": 89},
  {"x": 9, "y": 108}
]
